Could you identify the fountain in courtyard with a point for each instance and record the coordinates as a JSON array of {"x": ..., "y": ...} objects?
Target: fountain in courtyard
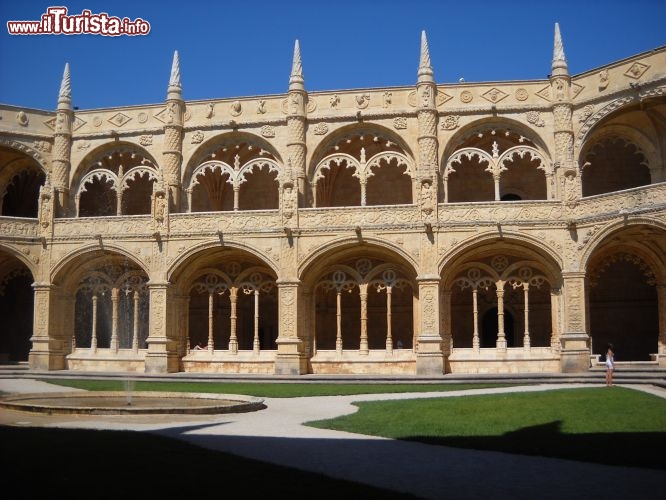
[{"x": 131, "y": 403}]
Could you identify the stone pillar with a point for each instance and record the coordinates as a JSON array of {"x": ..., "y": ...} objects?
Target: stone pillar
[
  {"x": 114, "y": 320},
  {"x": 661, "y": 311},
  {"x": 429, "y": 355},
  {"x": 560, "y": 83},
  {"x": 162, "y": 355},
  {"x": 426, "y": 91},
  {"x": 172, "y": 151},
  {"x": 48, "y": 352},
  {"x": 574, "y": 339},
  {"x": 290, "y": 359},
  {"x": 501, "y": 337},
  {"x": 363, "y": 295},
  {"x": 62, "y": 147},
  {"x": 296, "y": 109}
]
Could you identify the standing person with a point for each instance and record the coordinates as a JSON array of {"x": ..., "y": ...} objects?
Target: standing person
[{"x": 610, "y": 364}]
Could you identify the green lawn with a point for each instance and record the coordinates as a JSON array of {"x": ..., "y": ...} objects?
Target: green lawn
[
  {"x": 615, "y": 426},
  {"x": 270, "y": 389}
]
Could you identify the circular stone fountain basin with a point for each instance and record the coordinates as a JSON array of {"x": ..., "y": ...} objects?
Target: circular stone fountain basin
[{"x": 136, "y": 403}]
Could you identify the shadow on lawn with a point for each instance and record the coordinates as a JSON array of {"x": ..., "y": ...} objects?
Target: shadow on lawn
[{"x": 631, "y": 449}]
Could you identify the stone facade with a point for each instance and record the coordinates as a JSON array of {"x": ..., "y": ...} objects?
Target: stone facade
[{"x": 469, "y": 228}]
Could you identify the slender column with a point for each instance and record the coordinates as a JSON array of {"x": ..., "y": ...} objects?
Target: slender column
[
  {"x": 496, "y": 179},
  {"x": 135, "y": 325},
  {"x": 389, "y": 336},
  {"x": 555, "y": 319},
  {"x": 445, "y": 323},
  {"x": 233, "y": 337},
  {"x": 187, "y": 325},
  {"x": 236, "y": 193},
  {"x": 363, "y": 287},
  {"x": 363, "y": 195},
  {"x": 255, "y": 343},
  {"x": 338, "y": 320},
  {"x": 119, "y": 203},
  {"x": 93, "y": 340},
  {"x": 526, "y": 336},
  {"x": 501, "y": 338},
  {"x": 475, "y": 339},
  {"x": 114, "y": 320},
  {"x": 661, "y": 311},
  {"x": 211, "y": 347}
]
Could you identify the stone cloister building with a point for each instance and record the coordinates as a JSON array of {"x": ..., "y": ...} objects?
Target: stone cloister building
[{"x": 491, "y": 227}]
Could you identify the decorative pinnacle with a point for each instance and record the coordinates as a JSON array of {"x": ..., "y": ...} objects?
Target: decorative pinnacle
[
  {"x": 559, "y": 66},
  {"x": 296, "y": 79},
  {"x": 426, "y": 73},
  {"x": 175, "y": 88},
  {"x": 65, "y": 94}
]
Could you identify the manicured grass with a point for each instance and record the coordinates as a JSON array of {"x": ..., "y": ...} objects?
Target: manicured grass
[
  {"x": 268, "y": 390},
  {"x": 615, "y": 426},
  {"x": 94, "y": 464}
]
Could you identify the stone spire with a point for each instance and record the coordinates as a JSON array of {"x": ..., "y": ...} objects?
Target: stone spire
[
  {"x": 559, "y": 66},
  {"x": 65, "y": 94},
  {"x": 173, "y": 135},
  {"x": 175, "y": 88},
  {"x": 296, "y": 81},
  {"x": 425, "y": 74}
]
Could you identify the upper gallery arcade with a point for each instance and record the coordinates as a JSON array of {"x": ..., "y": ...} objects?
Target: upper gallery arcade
[{"x": 491, "y": 227}]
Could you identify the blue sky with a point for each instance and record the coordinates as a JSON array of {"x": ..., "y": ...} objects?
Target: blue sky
[{"x": 244, "y": 48}]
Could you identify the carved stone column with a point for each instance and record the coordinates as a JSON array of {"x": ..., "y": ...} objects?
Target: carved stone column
[
  {"x": 62, "y": 146},
  {"x": 162, "y": 355},
  {"x": 574, "y": 339},
  {"x": 290, "y": 359},
  {"x": 172, "y": 151},
  {"x": 48, "y": 352},
  {"x": 296, "y": 109},
  {"x": 426, "y": 91},
  {"x": 429, "y": 354},
  {"x": 560, "y": 83}
]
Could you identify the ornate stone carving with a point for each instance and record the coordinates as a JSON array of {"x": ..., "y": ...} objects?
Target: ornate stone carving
[
  {"x": 236, "y": 108},
  {"x": 362, "y": 100},
  {"x": 197, "y": 137},
  {"x": 450, "y": 122},
  {"x": 521, "y": 94},
  {"x": 334, "y": 100},
  {"x": 146, "y": 140},
  {"x": 466, "y": 96},
  {"x": 261, "y": 106},
  {"x": 399, "y": 123},
  {"x": 494, "y": 95},
  {"x": 268, "y": 131},
  {"x": 534, "y": 117},
  {"x": 321, "y": 129},
  {"x": 386, "y": 99},
  {"x": 119, "y": 119},
  {"x": 22, "y": 118},
  {"x": 585, "y": 113},
  {"x": 636, "y": 70}
]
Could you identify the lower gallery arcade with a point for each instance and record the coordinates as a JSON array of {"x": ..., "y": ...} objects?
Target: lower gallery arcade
[{"x": 356, "y": 308}]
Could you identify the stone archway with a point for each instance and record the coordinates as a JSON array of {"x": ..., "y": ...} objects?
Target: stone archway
[{"x": 16, "y": 310}]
